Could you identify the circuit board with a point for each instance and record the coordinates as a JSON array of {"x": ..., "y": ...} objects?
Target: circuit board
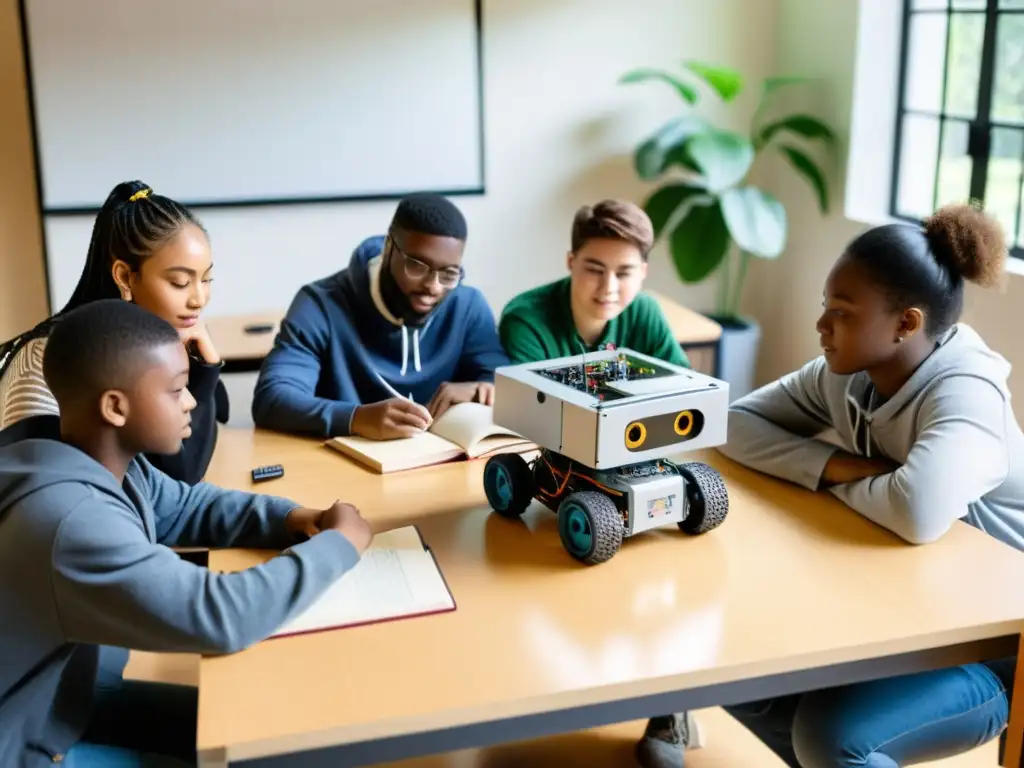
[{"x": 594, "y": 378}]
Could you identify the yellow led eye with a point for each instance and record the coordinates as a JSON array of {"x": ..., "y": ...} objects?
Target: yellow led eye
[
  {"x": 636, "y": 433},
  {"x": 684, "y": 423}
]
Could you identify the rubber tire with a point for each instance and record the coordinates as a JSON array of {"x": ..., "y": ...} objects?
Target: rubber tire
[
  {"x": 605, "y": 525},
  {"x": 706, "y": 496},
  {"x": 520, "y": 477}
]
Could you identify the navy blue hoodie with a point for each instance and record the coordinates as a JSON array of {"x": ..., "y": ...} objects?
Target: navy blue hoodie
[{"x": 339, "y": 347}]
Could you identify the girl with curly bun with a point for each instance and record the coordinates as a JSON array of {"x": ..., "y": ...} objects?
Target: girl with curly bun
[{"x": 921, "y": 409}]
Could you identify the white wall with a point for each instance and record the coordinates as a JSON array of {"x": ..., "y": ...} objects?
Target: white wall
[
  {"x": 559, "y": 133},
  {"x": 820, "y": 39}
]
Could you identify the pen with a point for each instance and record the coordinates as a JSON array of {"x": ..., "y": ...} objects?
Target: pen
[{"x": 394, "y": 391}]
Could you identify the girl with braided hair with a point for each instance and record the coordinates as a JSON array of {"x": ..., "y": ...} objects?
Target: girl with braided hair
[{"x": 150, "y": 250}]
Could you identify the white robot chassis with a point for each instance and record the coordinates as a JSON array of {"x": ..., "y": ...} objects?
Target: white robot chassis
[{"x": 604, "y": 423}]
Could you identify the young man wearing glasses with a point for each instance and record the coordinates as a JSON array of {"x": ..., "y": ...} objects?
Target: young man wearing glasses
[{"x": 387, "y": 344}]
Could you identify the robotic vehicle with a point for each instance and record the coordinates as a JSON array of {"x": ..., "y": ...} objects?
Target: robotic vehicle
[{"x": 604, "y": 423}]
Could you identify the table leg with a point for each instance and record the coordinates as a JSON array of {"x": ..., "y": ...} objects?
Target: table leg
[{"x": 1015, "y": 728}]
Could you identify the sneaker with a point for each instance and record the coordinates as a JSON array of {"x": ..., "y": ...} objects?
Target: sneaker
[{"x": 665, "y": 740}]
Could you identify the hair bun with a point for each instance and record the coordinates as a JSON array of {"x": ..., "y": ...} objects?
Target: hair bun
[{"x": 969, "y": 242}]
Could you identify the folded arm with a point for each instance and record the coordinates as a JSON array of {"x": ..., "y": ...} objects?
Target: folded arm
[
  {"x": 774, "y": 429},
  {"x": 959, "y": 456},
  {"x": 112, "y": 586},
  {"x": 284, "y": 398}
]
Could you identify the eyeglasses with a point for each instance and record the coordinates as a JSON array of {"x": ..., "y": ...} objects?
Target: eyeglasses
[{"x": 448, "y": 277}]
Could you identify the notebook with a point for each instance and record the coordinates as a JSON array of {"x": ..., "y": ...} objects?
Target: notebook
[
  {"x": 464, "y": 431},
  {"x": 397, "y": 578}
]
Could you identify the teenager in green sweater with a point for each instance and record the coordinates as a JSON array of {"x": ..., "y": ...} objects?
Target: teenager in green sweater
[{"x": 599, "y": 304}]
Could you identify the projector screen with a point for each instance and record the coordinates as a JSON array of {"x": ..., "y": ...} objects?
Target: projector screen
[{"x": 233, "y": 102}]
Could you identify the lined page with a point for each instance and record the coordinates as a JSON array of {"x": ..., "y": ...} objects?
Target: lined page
[{"x": 387, "y": 583}]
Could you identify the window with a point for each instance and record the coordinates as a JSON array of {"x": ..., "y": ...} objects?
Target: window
[{"x": 960, "y": 120}]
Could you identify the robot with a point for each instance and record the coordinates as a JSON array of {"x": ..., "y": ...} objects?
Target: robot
[{"x": 604, "y": 423}]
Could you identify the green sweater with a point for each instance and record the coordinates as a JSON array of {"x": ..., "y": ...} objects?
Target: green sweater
[{"x": 538, "y": 325}]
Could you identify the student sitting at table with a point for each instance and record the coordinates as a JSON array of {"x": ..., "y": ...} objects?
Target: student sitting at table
[
  {"x": 598, "y": 305},
  {"x": 389, "y": 343},
  {"x": 921, "y": 408},
  {"x": 86, "y": 523},
  {"x": 150, "y": 250}
]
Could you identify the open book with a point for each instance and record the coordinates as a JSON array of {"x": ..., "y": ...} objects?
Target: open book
[
  {"x": 464, "y": 431},
  {"x": 397, "y": 578}
]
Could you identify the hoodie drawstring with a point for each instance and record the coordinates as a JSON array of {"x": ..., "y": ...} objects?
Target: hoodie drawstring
[
  {"x": 858, "y": 415},
  {"x": 415, "y": 349}
]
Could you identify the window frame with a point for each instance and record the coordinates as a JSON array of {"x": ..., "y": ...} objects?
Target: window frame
[{"x": 979, "y": 142}]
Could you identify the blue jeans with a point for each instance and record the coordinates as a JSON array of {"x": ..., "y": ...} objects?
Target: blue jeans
[
  {"x": 136, "y": 724},
  {"x": 886, "y": 723}
]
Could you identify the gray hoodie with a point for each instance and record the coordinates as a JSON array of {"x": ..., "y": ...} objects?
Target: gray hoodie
[
  {"x": 84, "y": 561},
  {"x": 951, "y": 429}
]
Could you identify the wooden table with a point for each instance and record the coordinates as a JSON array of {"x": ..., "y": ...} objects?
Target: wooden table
[
  {"x": 792, "y": 592},
  {"x": 243, "y": 341}
]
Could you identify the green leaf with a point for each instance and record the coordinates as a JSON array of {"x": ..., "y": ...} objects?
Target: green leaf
[
  {"x": 803, "y": 125},
  {"x": 727, "y": 82},
  {"x": 772, "y": 84},
  {"x": 807, "y": 168},
  {"x": 699, "y": 242},
  {"x": 722, "y": 157},
  {"x": 756, "y": 221},
  {"x": 662, "y": 204},
  {"x": 686, "y": 91},
  {"x": 655, "y": 154}
]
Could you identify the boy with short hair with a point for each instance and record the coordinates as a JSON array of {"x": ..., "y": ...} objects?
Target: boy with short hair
[
  {"x": 85, "y": 529},
  {"x": 599, "y": 304}
]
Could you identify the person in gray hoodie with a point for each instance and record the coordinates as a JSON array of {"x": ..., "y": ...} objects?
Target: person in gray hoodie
[
  {"x": 86, "y": 526},
  {"x": 927, "y": 436}
]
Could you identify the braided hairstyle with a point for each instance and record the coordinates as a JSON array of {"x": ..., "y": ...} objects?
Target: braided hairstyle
[{"x": 133, "y": 223}]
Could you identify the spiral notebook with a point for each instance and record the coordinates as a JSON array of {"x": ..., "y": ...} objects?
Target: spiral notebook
[{"x": 397, "y": 578}]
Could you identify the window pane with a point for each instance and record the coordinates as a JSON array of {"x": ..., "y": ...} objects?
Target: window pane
[
  {"x": 1011, "y": 4},
  {"x": 955, "y": 166},
  {"x": 1008, "y": 98},
  {"x": 972, "y": 5},
  {"x": 919, "y": 150},
  {"x": 925, "y": 61},
  {"x": 966, "y": 40},
  {"x": 1003, "y": 183},
  {"x": 928, "y": 4}
]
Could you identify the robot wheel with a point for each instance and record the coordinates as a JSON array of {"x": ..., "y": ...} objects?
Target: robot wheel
[
  {"x": 590, "y": 526},
  {"x": 508, "y": 484},
  {"x": 706, "y": 496}
]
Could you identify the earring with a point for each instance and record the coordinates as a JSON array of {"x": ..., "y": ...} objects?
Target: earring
[
  {"x": 126, "y": 295},
  {"x": 899, "y": 339}
]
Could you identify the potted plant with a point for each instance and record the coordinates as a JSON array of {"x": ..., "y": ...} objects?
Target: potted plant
[{"x": 712, "y": 217}]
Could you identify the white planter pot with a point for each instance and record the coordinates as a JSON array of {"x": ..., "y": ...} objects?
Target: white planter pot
[{"x": 737, "y": 354}]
